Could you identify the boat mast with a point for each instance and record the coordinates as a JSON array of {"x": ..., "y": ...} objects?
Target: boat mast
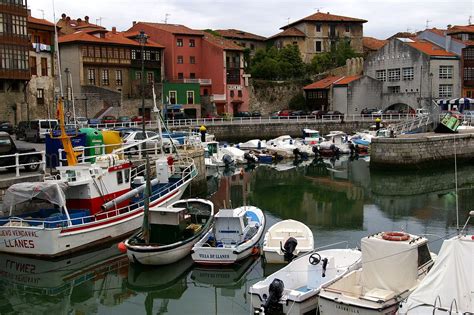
[{"x": 146, "y": 195}]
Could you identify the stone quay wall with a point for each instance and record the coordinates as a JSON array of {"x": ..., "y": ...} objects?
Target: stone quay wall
[
  {"x": 242, "y": 132},
  {"x": 420, "y": 151}
]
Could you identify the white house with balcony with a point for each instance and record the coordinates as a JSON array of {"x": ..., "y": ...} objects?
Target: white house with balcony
[{"x": 414, "y": 73}]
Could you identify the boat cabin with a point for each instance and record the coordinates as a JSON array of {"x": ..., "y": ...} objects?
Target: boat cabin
[{"x": 231, "y": 225}]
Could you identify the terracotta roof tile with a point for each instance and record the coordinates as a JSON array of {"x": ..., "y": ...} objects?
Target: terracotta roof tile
[
  {"x": 232, "y": 33},
  {"x": 348, "y": 79},
  {"x": 289, "y": 32},
  {"x": 430, "y": 49},
  {"x": 40, "y": 21},
  {"x": 323, "y": 84},
  {"x": 457, "y": 29},
  {"x": 118, "y": 38},
  {"x": 221, "y": 42},
  {"x": 325, "y": 17},
  {"x": 373, "y": 43},
  {"x": 174, "y": 28}
]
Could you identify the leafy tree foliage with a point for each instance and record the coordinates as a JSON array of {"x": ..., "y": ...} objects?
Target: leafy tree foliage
[
  {"x": 332, "y": 59},
  {"x": 274, "y": 64}
]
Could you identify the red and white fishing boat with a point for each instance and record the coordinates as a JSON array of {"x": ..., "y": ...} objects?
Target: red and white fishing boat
[{"x": 93, "y": 203}]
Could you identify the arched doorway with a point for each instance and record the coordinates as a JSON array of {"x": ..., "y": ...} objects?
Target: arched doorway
[{"x": 399, "y": 108}]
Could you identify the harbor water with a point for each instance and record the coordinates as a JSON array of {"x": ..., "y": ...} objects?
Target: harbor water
[{"x": 340, "y": 200}]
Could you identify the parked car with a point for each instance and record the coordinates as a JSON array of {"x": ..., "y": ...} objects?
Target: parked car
[
  {"x": 366, "y": 112},
  {"x": 139, "y": 119},
  {"x": 284, "y": 113},
  {"x": 256, "y": 113},
  {"x": 124, "y": 120},
  {"x": 21, "y": 129},
  {"x": 38, "y": 129},
  {"x": 391, "y": 112},
  {"x": 109, "y": 120},
  {"x": 8, "y": 147},
  {"x": 80, "y": 121},
  {"x": 298, "y": 113},
  {"x": 243, "y": 114},
  {"x": 318, "y": 113},
  {"x": 134, "y": 137},
  {"x": 211, "y": 116},
  {"x": 334, "y": 114},
  {"x": 422, "y": 112},
  {"x": 6, "y": 126},
  {"x": 94, "y": 122}
]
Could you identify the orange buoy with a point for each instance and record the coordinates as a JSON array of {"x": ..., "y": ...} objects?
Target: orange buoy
[
  {"x": 121, "y": 247},
  {"x": 255, "y": 250},
  {"x": 395, "y": 236}
]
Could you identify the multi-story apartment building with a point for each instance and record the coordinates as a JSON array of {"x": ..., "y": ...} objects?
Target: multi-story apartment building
[
  {"x": 108, "y": 67},
  {"x": 245, "y": 39},
  {"x": 40, "y": 89},
  {"x": 193, "y": 56},
  {"x": 322, "y": 32},
  {"x": 290, "y": 36},
  {"x": 414, "y": 73},
  {"x": 14, "y": 52},
  {"x": 460, "y": 41}
]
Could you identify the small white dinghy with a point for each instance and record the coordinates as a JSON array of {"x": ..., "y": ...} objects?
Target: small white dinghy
[
  {"x": 235, "y": 236},
  {"x": 286, "y": 240},
  {"x": 294, "y": 288}
]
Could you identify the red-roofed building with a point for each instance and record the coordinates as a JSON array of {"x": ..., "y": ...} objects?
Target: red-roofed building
[
  {"x": 245, "y": 39},
  {"x": 290, "y": 36},
  {"x": 318, "y": 94},
  {"x": 106, "y": 70},
  {"x": 372, "y": 44},
  {"x": 193, "y": 56},
  {"x": 40, "y": 90},
  {"x": 67, "y": 25},
  {"x": 323, "y": 30},
  {"x": 414, "y": 73}
]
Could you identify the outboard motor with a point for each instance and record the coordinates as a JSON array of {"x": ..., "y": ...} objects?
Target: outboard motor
[
  {"x": 296, "y": 153},
  {"x": 315, "y": 150},
  {"x": 289, "y": 248},
  {"x": 227, "y": 159},
  {"x": 250, "y": 158},
  {"x": 275, "y": 292}
]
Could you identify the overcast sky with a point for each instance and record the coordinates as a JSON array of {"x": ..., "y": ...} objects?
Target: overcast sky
[{"x": 263, "y": 17}]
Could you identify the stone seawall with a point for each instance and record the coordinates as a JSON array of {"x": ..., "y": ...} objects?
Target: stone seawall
[
  {"x": 240, "y": 132},
  {"x": 420, "y": 150}
]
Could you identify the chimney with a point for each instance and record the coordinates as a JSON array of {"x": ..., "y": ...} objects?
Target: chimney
[
  {"x": 86, "y": 18},
  {"x": 448, "y": 43},
  {"x": 63, "y": 16},
  {"x": 134, "y": 22},
  {"x": 114, "y": 30},
  {"x": 79, "y": 20},
  {"x": 68, "y": 18},
  {"x": 29, "y": 12}
]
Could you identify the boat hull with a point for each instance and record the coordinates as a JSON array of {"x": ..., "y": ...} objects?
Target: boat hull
[
  {"x": 51, "y": 242},
  {"x": 274, "y": 257},
  {"x": 221, "y": 256},
  {"x": 329, "y": 307}
]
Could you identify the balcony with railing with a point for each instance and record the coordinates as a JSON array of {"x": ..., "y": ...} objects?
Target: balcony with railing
[{"x": 233, "y": 76}]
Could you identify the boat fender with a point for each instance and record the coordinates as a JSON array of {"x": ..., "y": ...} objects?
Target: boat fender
[
  {"x": 395, "y": 236},
  {"x": 255, "y": 250},
  {"x": 121, "y": 247},
  {"x": 275, "y": 292}
]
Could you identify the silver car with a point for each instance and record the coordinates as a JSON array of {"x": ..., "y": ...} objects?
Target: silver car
[{"x": 135, "y": 137}]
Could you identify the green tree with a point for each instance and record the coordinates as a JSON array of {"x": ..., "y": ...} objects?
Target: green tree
[
  {"x": 335, "y": 58},
  {"x": 274, "y": 64}
]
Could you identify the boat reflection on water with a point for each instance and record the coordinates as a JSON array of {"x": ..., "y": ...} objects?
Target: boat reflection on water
[
  {"x": 168, "y": 282},
  {"x": 78, "y": 284}
]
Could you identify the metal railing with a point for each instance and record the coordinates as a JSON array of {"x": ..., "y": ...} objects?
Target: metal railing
[
  {"x": 17, "y": 165},
  {"x": 184, "y": 167}
]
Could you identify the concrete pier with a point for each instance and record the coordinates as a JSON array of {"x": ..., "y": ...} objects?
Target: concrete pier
[{"x": 424, "y": 150}]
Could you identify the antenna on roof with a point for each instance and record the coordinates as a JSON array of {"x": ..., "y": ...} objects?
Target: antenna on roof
[
  {"x": 287, "y": 21},
  {"x": 428, "y": 23},
  {"x": 408, "y": 29},
  {"x": 317, "y": 9},
  {"x": 166, "y": 18},
  {"x": 42, "y": 11},
  {"x": 470, "y": 17},
  {"x": 99, "y": 20}
]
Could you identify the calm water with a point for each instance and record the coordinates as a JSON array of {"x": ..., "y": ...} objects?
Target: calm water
[{"x": 339, "y": 200}]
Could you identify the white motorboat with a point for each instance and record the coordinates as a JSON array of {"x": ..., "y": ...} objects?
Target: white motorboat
[
  {"x": 393, "y": 264},
  {"x": 172, "y": 233},
  {"x": 91, "y": 203},
  {"x": 217, "y": 156},
  {"x": 235, "y": 236},
  {"x": 336, "y": 143},
  {"x": 288, "y": 147},
  {"x": 254, "y": 144},
  {"x": 294, "y": 288},
  {"x": 449, "y": 286},
  {"x": 312, "y": 137},
  {"x": 287, "y": 240}
]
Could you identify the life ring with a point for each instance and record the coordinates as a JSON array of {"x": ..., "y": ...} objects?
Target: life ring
[{"x": 395, "y": 236}]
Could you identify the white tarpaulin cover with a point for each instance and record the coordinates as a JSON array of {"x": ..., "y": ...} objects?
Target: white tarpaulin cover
[
  {"x": 49, "y": 191},
  {"x": 388, "y": 265},
  {"x": 451, "y": 278}
]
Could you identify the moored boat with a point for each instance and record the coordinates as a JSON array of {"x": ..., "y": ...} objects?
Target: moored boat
[
  {"x": 393, "y": 264},
  {"x": 287, "y": 240},
  {"x": 172, "y": 233},
  {"x": 235, "y": 236},
  {"x": 294, "y": 288}
]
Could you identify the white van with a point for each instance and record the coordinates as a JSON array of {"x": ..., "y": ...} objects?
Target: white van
[{"x": 39, "y": 128}]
